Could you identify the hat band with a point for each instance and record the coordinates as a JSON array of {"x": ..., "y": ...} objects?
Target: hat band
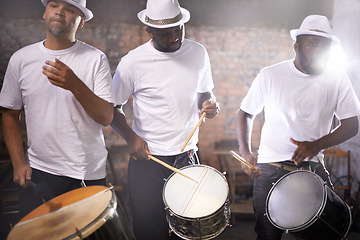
[
  {"x": 164, "y": 21},
  {"x": 317, "y": 30}
]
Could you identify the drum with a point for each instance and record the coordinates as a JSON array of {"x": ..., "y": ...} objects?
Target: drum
[
  {"x": 86, "y": 213},
  {"x": 301, "y": 203},
  {"x": 197, "y": 210}
]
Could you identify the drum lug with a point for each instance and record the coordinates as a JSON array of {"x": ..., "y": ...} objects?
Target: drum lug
[
  {"x": 78, "y": 233},
  {"x": 111, "y": 186},
  {"x": 111, "y": 203}
]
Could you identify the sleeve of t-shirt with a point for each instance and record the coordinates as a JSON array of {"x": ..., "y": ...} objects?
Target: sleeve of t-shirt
[
  {"x": 206, "y": 83},
  {"x": 103, "y": 81},
  {"x": 254, "y": 101},
  {"x": 10, "y": 96},
  {"x": 348, "y": 103},
  {"x": 122, "y": 83}
]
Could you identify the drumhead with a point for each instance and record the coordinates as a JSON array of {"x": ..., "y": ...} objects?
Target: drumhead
[
  {"x": 295, "y": 200},
  {"x": 187, "y": 198},
  {"x": 61, "y": 216}
]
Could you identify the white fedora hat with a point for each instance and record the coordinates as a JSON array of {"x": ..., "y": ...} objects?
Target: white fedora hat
[
  {"x": 80, "y": 4},
  {"x": 163, "y": 14},
  {"x": 315, "y": 25}
]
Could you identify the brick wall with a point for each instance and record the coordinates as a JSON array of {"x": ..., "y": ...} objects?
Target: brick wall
[{"x": 236, "y": 54}]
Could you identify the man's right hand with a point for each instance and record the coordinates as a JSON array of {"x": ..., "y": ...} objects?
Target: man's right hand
[
  {"x": 138, "y": 148},
  {"x": 22, "y": 172},
  {"x": 251, "y": 172}
]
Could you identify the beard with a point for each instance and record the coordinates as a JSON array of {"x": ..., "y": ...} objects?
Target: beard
[
  {"x": 167, "y": 47},
  {"x": 313, "y": 66},
  {"x": 56, "y": 31},
  {"x": 56, "y": 26}
]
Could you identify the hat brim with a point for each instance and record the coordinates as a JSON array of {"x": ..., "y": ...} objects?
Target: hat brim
[
  {"x": 296, "y": 32},
  {"x": 185, "y": 18},
  {"x": 87, "y": 13}
]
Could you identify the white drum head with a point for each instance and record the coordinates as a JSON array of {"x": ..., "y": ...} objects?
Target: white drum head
[
  {"x": 295, "y": 200},
  {"x": 189, "y": 199}
]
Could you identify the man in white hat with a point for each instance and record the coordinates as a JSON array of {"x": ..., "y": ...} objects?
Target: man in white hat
[
  {"x": 169, "y": 79},
  {"x": 65, "y": 89},
  {"x": 299, "y": 97}
]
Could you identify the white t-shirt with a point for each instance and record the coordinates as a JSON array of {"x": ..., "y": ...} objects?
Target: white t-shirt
[
  {"x": 298, "y": 106},
  {"x": 62, "y": 138},
  {"x": 164, "y": 87}
]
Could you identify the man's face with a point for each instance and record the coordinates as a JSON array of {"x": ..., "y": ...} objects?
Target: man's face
[
  {"x": 312, "y": 53},
  {"x": 62, "y": 18},
  {"x": 167, "y": 39}
]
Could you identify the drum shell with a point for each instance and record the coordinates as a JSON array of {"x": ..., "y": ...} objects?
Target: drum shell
[
  {"x": 206, "y": 226},
  {"x": 331, "y": 221},
  {"x": 115, "y": 225},
  {"x": 199, "y": 228}
]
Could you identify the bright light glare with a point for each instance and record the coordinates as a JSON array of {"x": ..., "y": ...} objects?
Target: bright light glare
[{"x": 338, "y": 58}]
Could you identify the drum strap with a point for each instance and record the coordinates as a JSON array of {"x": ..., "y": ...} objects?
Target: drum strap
[
  {"x": 83, "y": 183},
  {"x": 186, "y": 158},
  {"x": 314, "y": 165},
  {"x": 289, "y": 166}
]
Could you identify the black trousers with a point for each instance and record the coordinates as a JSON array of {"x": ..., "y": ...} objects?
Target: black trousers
[
  {"x": 146, "y": 181},
  {"x": 55, "y": 186}
]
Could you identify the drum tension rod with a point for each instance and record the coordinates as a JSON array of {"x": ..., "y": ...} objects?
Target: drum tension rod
[{"x": 79, "y": 234}]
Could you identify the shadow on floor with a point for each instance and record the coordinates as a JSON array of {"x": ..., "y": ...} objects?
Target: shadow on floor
[{"x": 243, "y": 229}]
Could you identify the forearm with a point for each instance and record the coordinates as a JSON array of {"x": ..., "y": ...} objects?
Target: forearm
[
  {"x": 119, "y": 124},
  {"x": 244, "y": 123},
  {"x": 97, "y": 108},
  {"x": 346, "y": 130},
  {"x": 12, "y": 132},
  {"x": 138, "y": 148}
]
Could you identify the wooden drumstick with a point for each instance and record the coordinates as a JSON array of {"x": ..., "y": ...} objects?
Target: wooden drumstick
[
  {"x": 193, "y": 131},
  {"x": 242, "y": 160},
  {"x": 196, "y": 126},
  {"x": 171, "y": 168}
]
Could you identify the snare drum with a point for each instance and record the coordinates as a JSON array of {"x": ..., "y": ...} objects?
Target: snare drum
[
  {"x": 301, "y": 203},
  {"x": 85, "y": 213},
  {"x": 197, "y": 210}
]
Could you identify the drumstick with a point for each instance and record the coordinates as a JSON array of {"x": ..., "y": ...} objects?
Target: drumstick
[
  {"x": 171, "y": 168},
  {"x": 196, "y": 126},
  {"x": 193, "y": 131},
  {"x": 242, "y": 160}
]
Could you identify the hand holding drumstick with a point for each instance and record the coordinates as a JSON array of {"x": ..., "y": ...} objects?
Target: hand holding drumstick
[
  {"x": 249, "y": 169},
  {"x": 138, "y": 149},
  {"x": 209, "y": 109}
]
